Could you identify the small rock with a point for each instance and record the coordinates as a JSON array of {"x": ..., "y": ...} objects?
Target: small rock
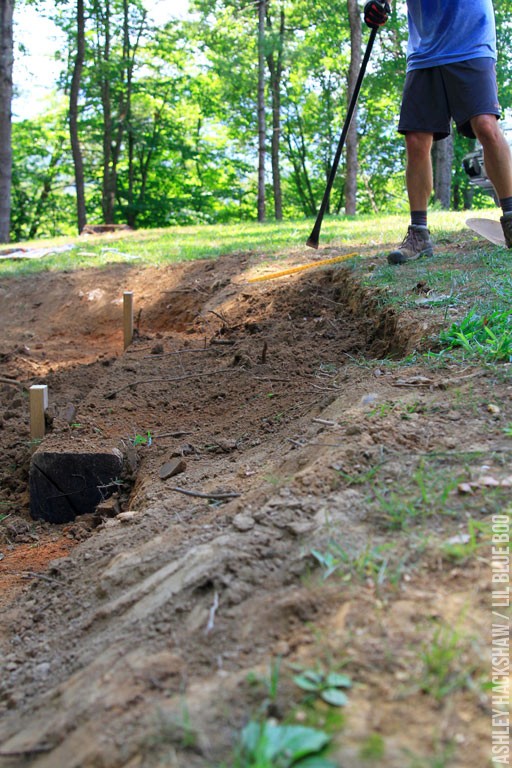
[
  {"x": 128, "y": 517},
  {"x": 171, "y": 468},
  {"x": 42, "y": 670},
  {"x": 243, "y": 522},
  {"x": 109, "y": 507},
  {"x": 370, "y": 399},
  {"x": 460, "y": 538}
]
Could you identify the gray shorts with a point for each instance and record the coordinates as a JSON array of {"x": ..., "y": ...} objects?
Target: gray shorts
[{"x": 433, "y": 96}]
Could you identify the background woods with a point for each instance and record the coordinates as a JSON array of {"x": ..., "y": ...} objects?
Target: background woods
[{"x": 232, "y": 114}]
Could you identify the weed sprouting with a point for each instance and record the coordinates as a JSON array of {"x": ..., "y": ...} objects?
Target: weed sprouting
[
  {"x": 372, "y": 748},
  {"x": 443, "y": 665},
  {"x": 269, "y": 744},
  {"x": 464, "y": 546},
  {"x": 427, "y": 494},
  {"x": 143, "y": 439},
  {"x": 372, "y": 563},
  {"x": 488, "y": 336},
  {"x": 270, "y": 684},
  {"x": 328, "y": 686}
]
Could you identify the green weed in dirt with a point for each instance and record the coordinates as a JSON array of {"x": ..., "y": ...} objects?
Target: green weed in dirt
[
  {"x": 269, "y": 683},
  {"x": 463, "y": 546},
  {"x": 430, "y": 491},
  {"x": 371, "y": 563},
  {"x": 373, "y": 748},
  {"x": 488, "y": 336},
  {"x": 272, "y": 745},
  {"x": 444, "y": 670},
  {"x": 328, "y": 686}
]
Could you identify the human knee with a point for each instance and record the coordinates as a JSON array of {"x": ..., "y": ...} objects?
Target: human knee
[
  {"x": 487, "y": 130},
  {"x": 418, "y": 145}
]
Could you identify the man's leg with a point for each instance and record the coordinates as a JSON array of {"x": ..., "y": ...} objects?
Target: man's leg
[
  {"x": 497, "y": 156},
  {"x": 419, "y": 169},
  {"x": 498, "y": 164},
  {"x": 418, "y": 177}
]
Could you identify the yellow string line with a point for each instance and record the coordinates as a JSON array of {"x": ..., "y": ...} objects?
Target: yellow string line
[{"x": 301, "y": 267}]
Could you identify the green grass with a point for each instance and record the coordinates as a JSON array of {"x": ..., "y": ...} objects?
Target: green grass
[{"x": 175, "y": 244}]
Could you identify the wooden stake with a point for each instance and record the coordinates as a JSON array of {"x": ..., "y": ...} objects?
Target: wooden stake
[
  {"x": 38, "y": 398},
  {"x": 128, "y": 317}
]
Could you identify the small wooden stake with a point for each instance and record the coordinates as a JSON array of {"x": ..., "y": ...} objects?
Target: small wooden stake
[
  {"x": 38, "y": 396},
  {"x": 128, "y": 317}
]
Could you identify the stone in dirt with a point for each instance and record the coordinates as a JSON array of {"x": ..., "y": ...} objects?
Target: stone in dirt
[{"x": 171, "y": 468}]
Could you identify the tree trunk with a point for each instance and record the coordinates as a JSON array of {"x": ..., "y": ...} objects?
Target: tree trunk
[
  {"x": 262, "y": 8},
  {"x": 109, "y": 180},
  {"x": 443, "y": 159},
  {"x": 6, "y": 63},
  {"x": 73, "y": 116},
  {"x": 352, "y": 165},
  {"x": 275, "y": 65}
]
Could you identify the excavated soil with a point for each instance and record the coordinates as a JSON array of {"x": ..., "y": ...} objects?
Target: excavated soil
[{"x": 136, "y": 634}]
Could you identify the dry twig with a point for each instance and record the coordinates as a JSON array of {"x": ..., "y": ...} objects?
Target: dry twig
[
  {"x": 112, "y": 395},
  {"x": 213, "y": 495}
]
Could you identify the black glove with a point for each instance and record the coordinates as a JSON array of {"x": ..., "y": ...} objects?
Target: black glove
[{"x": 376, "y": 13}]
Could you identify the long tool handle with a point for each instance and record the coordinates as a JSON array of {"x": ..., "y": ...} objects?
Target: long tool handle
[{"x": 315, "y": 232}]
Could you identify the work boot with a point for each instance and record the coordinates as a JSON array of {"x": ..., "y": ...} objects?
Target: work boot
[
  {"x": 506, "y": 225},
  {"x": 416, "y": 244}
]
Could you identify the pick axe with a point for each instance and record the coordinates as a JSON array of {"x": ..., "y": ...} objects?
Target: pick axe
[{"x": 315, "y": 232}]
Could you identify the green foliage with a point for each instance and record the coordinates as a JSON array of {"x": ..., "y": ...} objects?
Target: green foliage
[
  {"x": 488, "y": 336},
  {"x": 143, "y": 439},
  {"x": 271, "y": 745},
  {"x": 373, "y": 748},
  {"x": 326, "y": 685},
  {"x": 443, "y": 664},
  {"x": 370, "y": 563},
  {"x": 426, "y": 494},
  {"x": 463, "y": 548},
  {"x": 168, "y": 117}
]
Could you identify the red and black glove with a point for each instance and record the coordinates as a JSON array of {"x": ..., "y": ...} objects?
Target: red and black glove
[{"x": 376, "y": 13}]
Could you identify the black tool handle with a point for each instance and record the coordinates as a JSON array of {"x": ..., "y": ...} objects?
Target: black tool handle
[{"x": 315, "y": 232}]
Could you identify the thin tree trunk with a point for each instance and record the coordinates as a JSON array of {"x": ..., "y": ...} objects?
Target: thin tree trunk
[
  {"x": 6, "y": 64},
  {"x": 262, "y": 8},
  {"x": 275, "y": 65},
  {"x": 73, "y": 116},
  {"x": 443, "y": 161},
  {"x": 352, "y": 164},
  {"x": 109, "y": 182}
]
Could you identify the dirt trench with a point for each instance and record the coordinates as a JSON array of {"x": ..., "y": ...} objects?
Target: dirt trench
[{"x": 134, "y": 649}]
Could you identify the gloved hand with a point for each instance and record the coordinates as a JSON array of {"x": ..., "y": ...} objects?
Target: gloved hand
[{"x": 376, "y": 13}]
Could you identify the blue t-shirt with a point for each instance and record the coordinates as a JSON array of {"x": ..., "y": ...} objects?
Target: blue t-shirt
[{"x": 447, "y": 31}]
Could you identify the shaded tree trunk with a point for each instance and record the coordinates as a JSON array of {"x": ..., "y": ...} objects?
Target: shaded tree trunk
[
  {"x": 352, "y": 164},
  {"x": 262, "y": 8},
  {"x": 275, "y": 65},
  {"x": 442, "y": 152},
  {"x": 6, "y": 64},
  {"x": 73, "y": 116},
  {"x": 108, "y": 195}
]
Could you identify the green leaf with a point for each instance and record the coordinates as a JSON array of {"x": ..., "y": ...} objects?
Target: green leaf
[
  {"x": 335, "y": 697},
  {"x": 296, "y": 741},
  {"x": 308, "y": 682},
  {"x": 337, "y": 680},
  {"x": 315, "y": 762},
  {"x": 266, "y": 742}
]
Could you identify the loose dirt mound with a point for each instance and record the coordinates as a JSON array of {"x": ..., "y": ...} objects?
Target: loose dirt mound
[{"x": 135, "y": 649}]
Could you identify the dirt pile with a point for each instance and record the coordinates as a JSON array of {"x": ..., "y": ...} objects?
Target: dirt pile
[{"x": 135, "y": 648}]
